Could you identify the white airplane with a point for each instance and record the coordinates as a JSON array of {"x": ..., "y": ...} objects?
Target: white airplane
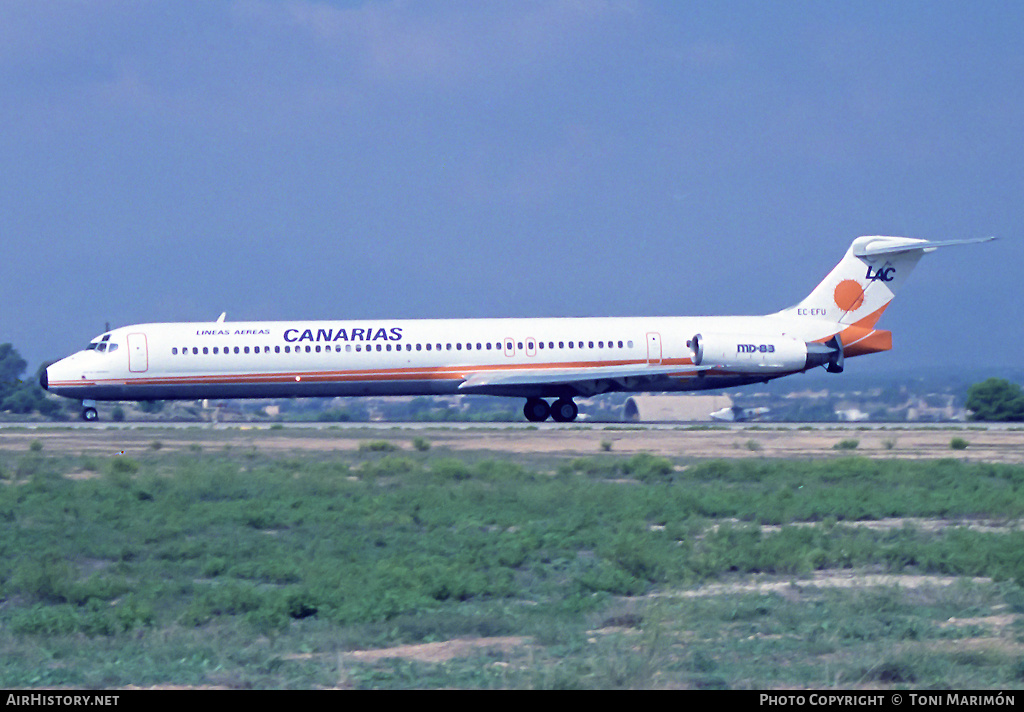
[
  {"x": 537, "y": 359},
  {"x": 735, "y": 414}
]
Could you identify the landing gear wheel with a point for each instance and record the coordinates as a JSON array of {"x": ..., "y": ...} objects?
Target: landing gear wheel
[
  {"x": 536, "y": 410},
  {"x": 564, "y": 410},
  {"x": 90, "y": 415}
]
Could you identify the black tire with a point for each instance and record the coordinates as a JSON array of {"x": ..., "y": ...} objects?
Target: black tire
[
  {"x": 536, "y": 410},
  {"x": 90, "y": 415},
  {"x": 564, "y": 410}
]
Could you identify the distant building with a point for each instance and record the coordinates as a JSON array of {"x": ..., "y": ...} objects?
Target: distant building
[{"x": 673, "y": 408}]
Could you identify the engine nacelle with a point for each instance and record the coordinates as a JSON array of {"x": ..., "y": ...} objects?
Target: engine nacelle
[{"x": 753, "y": 354}]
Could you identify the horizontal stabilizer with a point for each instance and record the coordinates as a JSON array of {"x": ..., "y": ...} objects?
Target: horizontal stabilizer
[{"x": 896, "y": 245}]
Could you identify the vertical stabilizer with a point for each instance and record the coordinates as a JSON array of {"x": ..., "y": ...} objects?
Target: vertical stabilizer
[{"x": 861, "y": 286}]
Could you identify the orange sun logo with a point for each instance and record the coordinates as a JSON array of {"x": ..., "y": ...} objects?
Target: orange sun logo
[{"x": 849, "y": 295}]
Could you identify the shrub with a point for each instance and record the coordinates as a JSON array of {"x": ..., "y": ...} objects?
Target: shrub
[
  {"x": 449, "y": 468},
  {"x": 646, "y": 467},
  {"x": 850, "y": 444},
  {"x": 958, "y": 444},
  {"x": 124, "y": 465},
  {"x": 378, "y": 446}
]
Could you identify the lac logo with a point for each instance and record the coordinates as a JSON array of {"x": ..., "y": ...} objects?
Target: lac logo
[{"x": 883, "y": 274}]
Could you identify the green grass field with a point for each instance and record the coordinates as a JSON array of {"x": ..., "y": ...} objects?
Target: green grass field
[{"x": 227, "y": 566}]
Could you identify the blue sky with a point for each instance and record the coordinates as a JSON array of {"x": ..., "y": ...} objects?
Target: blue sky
[{"x": 167, "y": 161}]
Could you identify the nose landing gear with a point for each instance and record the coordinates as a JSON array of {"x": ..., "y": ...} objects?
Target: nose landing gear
[
  {"x": 562, "y": 410},
  {"x": 89, "y": 412}
]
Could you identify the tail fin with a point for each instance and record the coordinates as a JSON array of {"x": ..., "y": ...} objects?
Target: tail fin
[{"x": 854, "y": 294}]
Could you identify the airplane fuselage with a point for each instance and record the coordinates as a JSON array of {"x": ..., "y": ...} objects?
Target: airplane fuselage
[{"x": 401, "y": 357}]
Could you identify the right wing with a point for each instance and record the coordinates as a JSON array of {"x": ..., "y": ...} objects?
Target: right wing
[{"x": 576, "y": 381}]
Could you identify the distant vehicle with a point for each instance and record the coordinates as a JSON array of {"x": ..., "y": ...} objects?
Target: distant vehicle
[
  {"x": 735, "y": 414},
  {"x": 537, "y": 359}
]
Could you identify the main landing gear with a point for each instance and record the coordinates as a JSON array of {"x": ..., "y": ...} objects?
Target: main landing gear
[{"x": 562, "y": 410}]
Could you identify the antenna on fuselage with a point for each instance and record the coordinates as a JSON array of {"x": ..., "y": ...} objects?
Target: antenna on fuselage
[{"x": 220, "y": 319}]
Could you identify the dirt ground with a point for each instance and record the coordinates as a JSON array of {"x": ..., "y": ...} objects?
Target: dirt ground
[{"x": 902, "y": 442}]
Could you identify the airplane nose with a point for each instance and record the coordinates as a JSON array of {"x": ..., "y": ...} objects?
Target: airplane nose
[{"x": 44, "y": 380}]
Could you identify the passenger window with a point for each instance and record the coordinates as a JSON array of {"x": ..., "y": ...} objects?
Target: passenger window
[
  {"x": 206, "y": 351},
  {"x": 195, "y": 350},
  {"x": 174, "y": 351}
]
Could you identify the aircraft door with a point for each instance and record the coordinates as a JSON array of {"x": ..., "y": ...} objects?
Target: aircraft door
[
  {"x": 653, "y": 347},
  {"x": 138, "y": 353}
]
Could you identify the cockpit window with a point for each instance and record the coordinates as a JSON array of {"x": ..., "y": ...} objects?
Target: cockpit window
[{"x": 103, "y": 344}]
